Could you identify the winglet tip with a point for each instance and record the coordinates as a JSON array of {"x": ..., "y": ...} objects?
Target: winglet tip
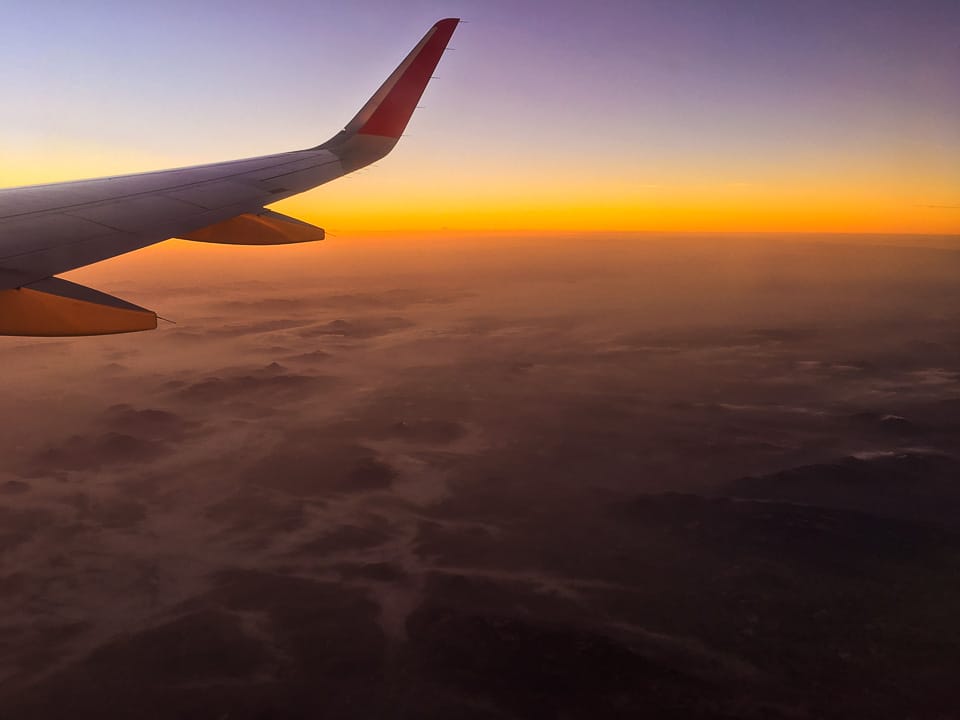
[
  {"x": 445, "y": 28},
  {"x": 389, "y": 115},
  {"x": 388, "y": 111}
]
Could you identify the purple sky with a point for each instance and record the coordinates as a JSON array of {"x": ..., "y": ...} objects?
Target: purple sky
[{"x": 631, "y": 93}]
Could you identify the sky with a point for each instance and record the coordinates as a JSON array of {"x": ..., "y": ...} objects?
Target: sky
[{"x": 617, "y": 115}]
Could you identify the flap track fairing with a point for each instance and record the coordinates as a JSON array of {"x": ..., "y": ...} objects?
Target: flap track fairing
[
  {"x": 264, "y": 227},
  {"x": 59, "y": 308}
]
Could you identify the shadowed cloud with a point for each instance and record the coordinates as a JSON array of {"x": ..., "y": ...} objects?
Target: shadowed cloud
[
  {"x": 269, "y": 383},
  {"x": 92, "y": 452},
  {"x": 148, "y": 423},
  {"x": 321, "y": 468},
  {"x": 360, "y": 329}
]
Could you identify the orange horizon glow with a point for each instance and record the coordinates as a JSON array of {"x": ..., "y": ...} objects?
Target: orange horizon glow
[{"x": 400, "y": 198}]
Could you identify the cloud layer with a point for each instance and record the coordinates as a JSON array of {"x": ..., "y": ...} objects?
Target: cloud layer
[{"x": 600, "y": 481}]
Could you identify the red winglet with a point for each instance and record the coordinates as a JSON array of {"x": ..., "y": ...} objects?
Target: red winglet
[{"x": 388, "y": 111}]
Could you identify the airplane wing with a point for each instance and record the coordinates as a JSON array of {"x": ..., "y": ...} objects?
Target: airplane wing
[{"x": 49, "y": 229}]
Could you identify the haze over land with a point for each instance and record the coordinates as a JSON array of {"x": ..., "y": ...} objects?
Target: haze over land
[{"x": 492, "y": 477}]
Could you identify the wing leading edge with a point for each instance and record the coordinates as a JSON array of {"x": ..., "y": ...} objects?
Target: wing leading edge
[{"x": 49, "y": 229}]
